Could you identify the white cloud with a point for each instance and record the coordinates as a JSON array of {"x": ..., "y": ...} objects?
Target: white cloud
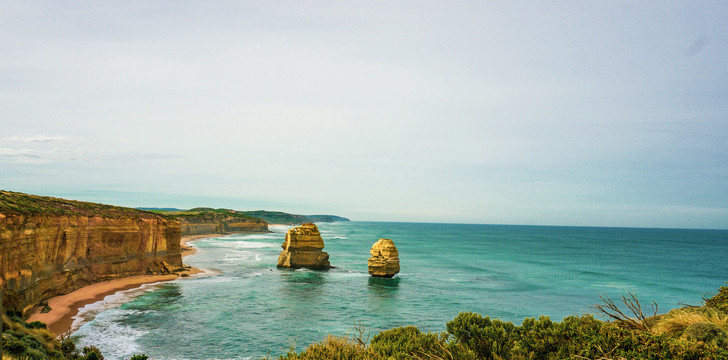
[
  {"x": 25, "y": 156},
  {"x": 38, "y": 156},
  {"x": 40, "y": 139}
]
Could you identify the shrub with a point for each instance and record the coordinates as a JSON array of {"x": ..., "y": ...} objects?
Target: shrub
[
  {"x": 488, "y": 339},
  {"x": 34, "y": 354},
  {"x": 55, "y": 354},
  {"x": 677, "y": 321},
  {"x": 707, "y": 332},
  {"x": 332, "y": 347},
  {"x": 68, "y": 347},
  {"x": 92, "y": 353},
  {"x": 13, "y": 345},
  {"x": 720, "y": 300},
  {"x": 543, "y": 338},
  {"x": 139, "y": 357},
  {"x": 401, "y": 342},
  {"x": 33, "y": 342},
  {"x": 36, "y": 325}
]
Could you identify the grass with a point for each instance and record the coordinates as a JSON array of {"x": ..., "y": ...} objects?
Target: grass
[
  {"x": 676, "y": 321},
  {"x": 15, "y": 203}
]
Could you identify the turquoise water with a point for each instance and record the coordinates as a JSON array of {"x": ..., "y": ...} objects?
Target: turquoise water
[{"x": 252, "y": 308}]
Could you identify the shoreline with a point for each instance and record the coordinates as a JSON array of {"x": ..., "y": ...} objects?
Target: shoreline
[
  {"x": 65, "y": 307},
  {"x": 185, "y": 249}
]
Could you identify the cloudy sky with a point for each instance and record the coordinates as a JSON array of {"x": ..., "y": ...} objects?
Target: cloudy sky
[{"x": 605, "y": 113}]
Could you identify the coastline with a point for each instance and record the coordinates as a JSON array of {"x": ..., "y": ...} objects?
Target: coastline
[
  {"x": 65, "y": 307},
  {"x": 187, "y": 250}
]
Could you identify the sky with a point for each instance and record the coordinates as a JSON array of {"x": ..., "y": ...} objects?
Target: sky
[{"x": 587, "y": 113}]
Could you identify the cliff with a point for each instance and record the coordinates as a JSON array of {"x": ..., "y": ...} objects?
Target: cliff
[
  {"x": 203, "y": 221},
  {"x": 53, "y": 246},
  {"x": 303, "y": 249}
]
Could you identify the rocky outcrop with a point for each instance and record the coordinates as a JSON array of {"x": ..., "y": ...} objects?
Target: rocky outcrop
[
  {"x": 385, "y": 259},
  {"x": 53, "y": 246},
  {"x": 303, "y": 249}
]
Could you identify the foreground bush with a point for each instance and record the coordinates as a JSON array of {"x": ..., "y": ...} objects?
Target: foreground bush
[
  {"x": 720, "y": 300},
  {"x": 22, "y": 340},
  {"x": 689, "y": 333}
]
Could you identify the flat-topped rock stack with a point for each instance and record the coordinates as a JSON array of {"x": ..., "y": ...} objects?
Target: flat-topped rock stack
[
  {"x": 303, "y": 249},
  {"x": 385, "y": 259}
]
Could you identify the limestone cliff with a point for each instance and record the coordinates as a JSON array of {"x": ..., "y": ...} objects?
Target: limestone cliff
[
  {"x": 302, "y": 248},
  {"x": 203, "y": 221},
  {"x": 385, "y": 259},
  {"x": 53, "y": 246}
]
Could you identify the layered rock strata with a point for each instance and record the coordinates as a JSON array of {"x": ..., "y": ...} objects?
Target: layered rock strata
[
  {"x": 303, "y": 249},
  {"x": 203, "y": 227},
  {"x": 204, "y": 221},
  {"x": 385, "y": 259},
  {"x": 53, "y": 246}
]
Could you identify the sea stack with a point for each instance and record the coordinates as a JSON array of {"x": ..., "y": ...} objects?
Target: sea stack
[
  {"x": 384, "y": 262},
  {"x": 302, "y": 249}
]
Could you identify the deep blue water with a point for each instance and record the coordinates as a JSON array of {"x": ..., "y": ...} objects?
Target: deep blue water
[{"x": 510, "y": 272}]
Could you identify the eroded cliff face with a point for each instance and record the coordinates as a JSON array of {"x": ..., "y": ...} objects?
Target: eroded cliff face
[
  {"x": 303, "y": 249},
  {"x": 205, "y": 221},
  {"x": 48, "y": 253},
  {"x": 224, "y": 226}
]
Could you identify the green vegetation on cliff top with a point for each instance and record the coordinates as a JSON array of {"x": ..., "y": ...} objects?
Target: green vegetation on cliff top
[
  {"x": 208, "y": 214},
  {"x": 271, "y": 217},
  {"x": 15, "y": 203}
]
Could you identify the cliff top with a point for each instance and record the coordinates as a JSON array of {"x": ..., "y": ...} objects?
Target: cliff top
[
  {"x": 204, "y": 213},
  {"x": 15, "y": 203},
  {"x": 271, "y": 217}
]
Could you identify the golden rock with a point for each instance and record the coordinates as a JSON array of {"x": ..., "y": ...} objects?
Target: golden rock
[
  {"x": 303, "y": 249},
  {"x": 385, "y": 259}
]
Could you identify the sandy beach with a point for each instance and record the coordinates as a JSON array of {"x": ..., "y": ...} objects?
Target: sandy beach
[{"x": 65, "y": 307}]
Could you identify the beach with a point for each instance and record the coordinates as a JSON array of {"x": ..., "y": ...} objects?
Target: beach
[{"x": 65, "y": 307}]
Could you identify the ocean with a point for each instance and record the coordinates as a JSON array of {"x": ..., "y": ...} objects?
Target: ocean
[{"x": 251, "y": 309}]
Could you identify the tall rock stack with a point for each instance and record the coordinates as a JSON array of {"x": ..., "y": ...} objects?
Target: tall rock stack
[
  {"x": 385, "y": 259},
  {"x": 302, "y": 249}
]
